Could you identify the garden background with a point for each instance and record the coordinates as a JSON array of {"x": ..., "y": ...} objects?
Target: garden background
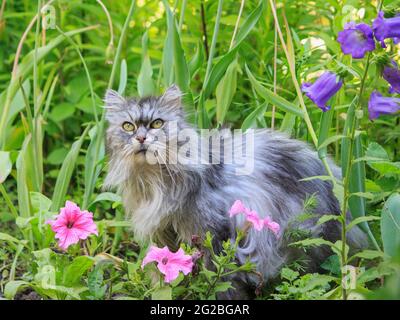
[{"x": 239, "y": 63}]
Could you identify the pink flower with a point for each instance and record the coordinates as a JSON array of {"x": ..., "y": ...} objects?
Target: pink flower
[
  {"x": 252, "y": 216},
  {"x": 237, "y": 208},
  {"x": 72, "y": 224},
  {"x": 169, "y": 263},
  {"x": 271, "y": 225}
]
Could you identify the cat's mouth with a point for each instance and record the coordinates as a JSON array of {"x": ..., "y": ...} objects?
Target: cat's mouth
[{"x": 142, "y": 150}]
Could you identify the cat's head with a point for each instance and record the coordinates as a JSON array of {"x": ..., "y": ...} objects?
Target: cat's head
[{"x": 141, "y": 129}]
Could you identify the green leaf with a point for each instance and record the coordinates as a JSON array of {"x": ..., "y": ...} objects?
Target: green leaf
[
  {"x": 368, "y": 254},
  {"x": 390, "y": 225},
  {"x": 226, "y": 89},
  {"x": 328, "y": 217},
  {"x": 65, "y": 174},
  {"x": 22, "y": 179},
  {"x": 361, "y": 220},
  {"x": 375, "y": 150},
  {"x": 288, "y": 123},
  {"x": 176, "y": 57},
  {"x": 62, "y": 111},
  {"x": 18, "y": 103},
  {"x": 332, "y": 264},
  {"x": 357, "y": 204},
  {"x": 5, "y": 165},
  {"x": 273, "y": 98},
  {"x": 8, "y": 238},
  {"x": 197, "y": 60},
  {"x": 145, "y": 82},
  {"x": 315, "y": 242},
  {"x": 163, "y": 293},
  {"x": 251, "y": 120},
  {"x": 218, "y": 70},
  {"x": 223, "y": 286},
  {"x": 107, "y": 196},
  {"x": 57, "y": 156},
  {"x": 95, "y": 280},
  {"x": 289, "y": 274},
  {"x": 330, "y": 140},
  {"x": 94, "y": 155},
  {"x": 40, "y": 203},
  {"x": 74, "y": 272},
  {"x": 12, "y": 288},
  {"x": 123, "y": 77},
  {"x": 26, "y": 66}
]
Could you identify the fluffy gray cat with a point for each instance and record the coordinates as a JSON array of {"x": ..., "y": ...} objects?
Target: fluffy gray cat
[{"x": 169, "y": 202}]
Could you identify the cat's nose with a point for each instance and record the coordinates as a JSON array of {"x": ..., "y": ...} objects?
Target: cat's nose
[{"x": 140, "y": 139}]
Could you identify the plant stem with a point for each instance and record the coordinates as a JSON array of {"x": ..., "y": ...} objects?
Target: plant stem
[
  {"x": 237, "y": 25},
  {"x": 212, "y": 285},
  {"x": 348, "y": 171},
  {"x": 182, "y": 15},
  {"x": 204, "y": 28},
  {"x": 109, "y": 20}
]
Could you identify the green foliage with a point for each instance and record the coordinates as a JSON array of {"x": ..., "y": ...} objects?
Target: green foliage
[{"x": 233, "y": 72}]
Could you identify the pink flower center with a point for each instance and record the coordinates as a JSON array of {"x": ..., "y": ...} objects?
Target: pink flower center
[
  {"x": 70, "y": 224},
  {"x": 164, "y": 261}
]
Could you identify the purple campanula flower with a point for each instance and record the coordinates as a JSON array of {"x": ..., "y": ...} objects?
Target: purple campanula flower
[
  {"x": 379, "y": 105},
  {"x": 322, "y": 89},
  {"x": 396, "y": 40},
  {"x": 356, "y": 39},
  {"x": 386, "y": 28},
  {"x": 391, "y": 74}
]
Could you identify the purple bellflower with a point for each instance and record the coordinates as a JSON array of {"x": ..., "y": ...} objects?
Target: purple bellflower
[
  {"x": 324, "y": 88},
  {"x": 379, "y": 105},
  {"x": 385, "y": 28},
  {"x": 356, "y": 39},
  {"x": 391, "y": 74}
]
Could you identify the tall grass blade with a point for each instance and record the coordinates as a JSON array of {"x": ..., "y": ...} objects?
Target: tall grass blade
[
  {"x": 65, "y": 174},
  {"x": 145, "y": 83}
]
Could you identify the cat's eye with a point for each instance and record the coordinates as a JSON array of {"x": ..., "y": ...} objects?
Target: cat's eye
[
  {"x": 157, "y": 124},
  {"x": 129, "y": 126}
]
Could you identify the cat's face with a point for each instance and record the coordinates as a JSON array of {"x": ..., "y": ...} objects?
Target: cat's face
[{"x": 142, "y": 129}]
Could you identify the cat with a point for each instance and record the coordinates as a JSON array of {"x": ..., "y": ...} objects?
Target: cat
[{"x": 168, "y": 201}]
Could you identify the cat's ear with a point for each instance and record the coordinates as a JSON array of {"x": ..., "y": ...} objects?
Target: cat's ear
[
  {"x": 172, "y": 96},
  {"x": 114, "y": 101}
]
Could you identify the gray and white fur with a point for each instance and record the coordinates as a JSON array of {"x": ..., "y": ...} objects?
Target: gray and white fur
[{"x": 168, "y": 204}]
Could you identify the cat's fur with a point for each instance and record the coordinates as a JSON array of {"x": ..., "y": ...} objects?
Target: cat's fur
[{"x": 171, "y": 203}]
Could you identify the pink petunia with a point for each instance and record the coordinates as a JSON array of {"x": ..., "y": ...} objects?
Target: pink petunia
[
  {"x": 252, "y": 216},
  {"x": 272, "y": 225},
  {"x": 169, "y": 263},
  {"x": 72, "y": 224},
  {"x": 237, "y": 208}
]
